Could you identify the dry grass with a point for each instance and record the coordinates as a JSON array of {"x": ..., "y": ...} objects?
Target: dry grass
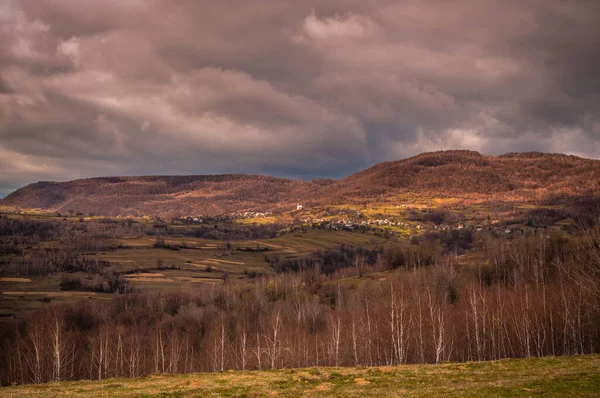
[
  {"x": 18, "y": 280},
  {"x": 147, "y": 275},
  {"x": 552, "y": 376},
  {"x": 49, "y": 294},
  {"x": 148, "y": 279}
]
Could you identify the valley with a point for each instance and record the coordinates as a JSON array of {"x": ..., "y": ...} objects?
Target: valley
[{"x": 375, "y": 277}]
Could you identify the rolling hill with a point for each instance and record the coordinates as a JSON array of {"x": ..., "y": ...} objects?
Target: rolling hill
[
  {"x": 163, "y": 195},
  {"x": 513, "y": 178}
]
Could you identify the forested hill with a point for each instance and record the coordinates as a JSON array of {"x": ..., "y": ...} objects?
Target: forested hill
[
  {"x": 513, "y": 177},
  {"x": 166, "y": 196}
]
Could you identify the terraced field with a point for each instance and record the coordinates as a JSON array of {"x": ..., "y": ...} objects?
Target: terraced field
[{"x": 160, "y": 269}]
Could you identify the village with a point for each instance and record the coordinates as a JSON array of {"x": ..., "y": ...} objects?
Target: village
[{"x": 350, "y": 220}]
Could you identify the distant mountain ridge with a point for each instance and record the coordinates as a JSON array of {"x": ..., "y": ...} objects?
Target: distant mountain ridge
[
  {"x": 513, "y": 177},
  {"x": 162, "y": 195}
]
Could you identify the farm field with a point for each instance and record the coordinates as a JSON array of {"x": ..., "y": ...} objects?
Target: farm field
[
  {"x": 150, "y": 268},
  {"x": 567, "y": 376},
  {"x": 22, "y": 295},
  {"x": 184, "y": 262}
]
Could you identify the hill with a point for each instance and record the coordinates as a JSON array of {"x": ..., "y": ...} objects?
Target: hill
[
  {"x": 556, "y": 377},
  {"x": 532, "y": 177},
  {"x": 163, "y": 195},
  {"x": 513, "y": 177}
]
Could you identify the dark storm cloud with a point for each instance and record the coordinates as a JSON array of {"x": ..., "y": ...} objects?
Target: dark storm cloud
[{"x": 304, "y": 89}]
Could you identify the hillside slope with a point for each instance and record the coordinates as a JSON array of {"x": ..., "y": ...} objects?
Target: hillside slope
[
  {"x": 163, "y": 195},
  {"x": 514, "y": 177}
]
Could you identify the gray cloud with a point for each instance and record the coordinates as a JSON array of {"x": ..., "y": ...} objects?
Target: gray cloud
[{"x": 302, "y": 89}]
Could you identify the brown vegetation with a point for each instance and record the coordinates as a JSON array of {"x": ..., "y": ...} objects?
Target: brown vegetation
[
  {"x": 165, "y": 196},
  {"x": 512, "y": 178},
  {"x": 528, "y": 296}
]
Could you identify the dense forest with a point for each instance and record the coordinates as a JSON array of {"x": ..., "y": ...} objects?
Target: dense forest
[{"x": 531, "y": 295}]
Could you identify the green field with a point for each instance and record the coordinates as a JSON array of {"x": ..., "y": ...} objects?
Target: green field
[{"x": 575, "y": 376}]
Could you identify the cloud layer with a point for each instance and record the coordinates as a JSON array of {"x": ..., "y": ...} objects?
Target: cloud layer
[{"x": 302, "y": 89}]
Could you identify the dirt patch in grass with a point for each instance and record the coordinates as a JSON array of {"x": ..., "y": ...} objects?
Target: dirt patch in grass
[
  {"x": 324, "y": 387},
  {"x": 361, "y": 381}
]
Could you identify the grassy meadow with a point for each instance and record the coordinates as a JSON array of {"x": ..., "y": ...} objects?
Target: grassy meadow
[{"x": 572, "y": 376}]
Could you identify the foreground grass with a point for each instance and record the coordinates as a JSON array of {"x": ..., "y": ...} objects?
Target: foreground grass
[{"x": 576, "y": 376}]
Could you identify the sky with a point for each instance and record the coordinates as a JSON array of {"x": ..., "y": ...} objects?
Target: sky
[{"x": 300, "y": 89}]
